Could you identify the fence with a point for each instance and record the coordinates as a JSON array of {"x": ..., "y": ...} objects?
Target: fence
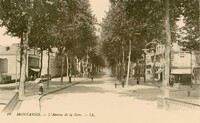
[{"x": 176, "y": 104}]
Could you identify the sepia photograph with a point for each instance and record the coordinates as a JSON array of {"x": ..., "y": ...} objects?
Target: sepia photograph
[{"x": 95, "y": 61}]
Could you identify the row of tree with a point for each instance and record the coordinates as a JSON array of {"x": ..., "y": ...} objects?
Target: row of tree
[
  {"x": 131, "y": 24},
  {"x": 67, "y": 25}
]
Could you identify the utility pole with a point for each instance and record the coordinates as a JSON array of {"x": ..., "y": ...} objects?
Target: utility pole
[{"x": 167, "y": 51}]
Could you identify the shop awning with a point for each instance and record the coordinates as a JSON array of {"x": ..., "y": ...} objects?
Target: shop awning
[
  {"x": 35, "y": 69},
  {"x": 159, "y": 71},
  {"x": 181, "y": 71}
]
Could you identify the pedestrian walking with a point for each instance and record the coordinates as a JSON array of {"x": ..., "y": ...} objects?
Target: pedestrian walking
[
  {"x": 91, "y": 75},
  {"x": 41, "y": 90},
  {"x": 138, "y": 79},
  {"x": 70, "y": 78},
  {"x": 123, "y": 83}
]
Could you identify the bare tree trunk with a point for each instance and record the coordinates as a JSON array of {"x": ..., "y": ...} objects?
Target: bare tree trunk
[
  {"x": 21, "y": 53},
  {"x": 23, "y": 66},
  {"x": 199, "y": 22},
  {"x": 129, "y": 62},
  {"x": 24, "y": 61},
  {"x": 83, "y": 68},
  {"x": 48, "y": 62},
  {"x": 67, "y": 67},
  {"x": 116, "y": 71},
  {"x": 123, "y": 61},
  {"x": 62, "y": 65},
  {"x": 167, "y": 51},
  {"x": 27, "y": 61},
  {"x": 144, "y": 68},
  {"x": 62, "y": 69},
  {"x": 41, "y": 64},
  {"x": 77, "y": 64},
  {"x": 91, "y": 67},
  {"x": 24, "y": 56},
  {"x": 22, "y": 73},
  {"x": 87, "y": 61}
]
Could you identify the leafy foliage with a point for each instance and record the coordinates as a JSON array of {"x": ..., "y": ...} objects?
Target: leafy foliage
[{"x": 140, "y": 21}]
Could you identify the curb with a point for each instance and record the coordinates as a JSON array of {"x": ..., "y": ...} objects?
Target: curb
[
  {"x": 53, "y": 92},
  {"x": 9, "y": 107}
]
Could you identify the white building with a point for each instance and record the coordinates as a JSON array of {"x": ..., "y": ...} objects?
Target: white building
[
  {"x": 10, "y": 63},
  {"x": 12, "y": 56},
  {"x": 54, "y": 65}
]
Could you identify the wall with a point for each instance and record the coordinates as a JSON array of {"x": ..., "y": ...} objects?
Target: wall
[
  {"x": 181, "y": 60},
  {"x": 54, "y": 67},
  {"x": 12, "y": 63},
  {"x": 11, "y": 66},
  {"x": 196, "y": 66}
]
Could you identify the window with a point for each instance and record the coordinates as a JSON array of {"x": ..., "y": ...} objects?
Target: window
[
  {"x": 33, "y": 62},
  {"x": 3, "y": 65}
]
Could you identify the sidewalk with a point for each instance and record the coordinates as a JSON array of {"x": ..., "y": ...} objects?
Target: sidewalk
[
  {"x": 31, "y": 101},
  {"x": 32, "y": 88},
  {"x": 175, "y": 92},
  {"x": 6, "y": 94}
]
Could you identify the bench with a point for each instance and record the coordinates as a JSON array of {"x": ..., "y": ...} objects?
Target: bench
[{"x": 119, "y": 83}]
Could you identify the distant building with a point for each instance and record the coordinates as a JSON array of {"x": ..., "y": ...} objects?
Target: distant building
[
  {"x": 196, "y": 67},
  {"x": 55, "y": 65},
  {"x": 184, "y": 65},
  {"x": 148, "y": 65},
  {"x": 12, "y": 54},
  {"x": 11, "y": 63}
]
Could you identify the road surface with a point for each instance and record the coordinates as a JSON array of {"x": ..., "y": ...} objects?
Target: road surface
[{"x": 101, "y": 102}]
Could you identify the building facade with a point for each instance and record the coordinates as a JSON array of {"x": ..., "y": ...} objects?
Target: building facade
[
  {"x": 55, "y": 64},
  {"x": 184, "y": 65},
  {"x": 12, "y": 56},
  {"x": 10, "y": 63}
]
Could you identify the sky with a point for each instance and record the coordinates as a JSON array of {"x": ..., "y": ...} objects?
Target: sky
[
  {"x": 6, "y": 40},
  {"x": 98, "y": 7}
]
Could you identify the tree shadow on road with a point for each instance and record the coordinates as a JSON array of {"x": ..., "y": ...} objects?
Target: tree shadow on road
[
  {"x": 81, "y": 89},
  {"x": 150, "y": 94}
]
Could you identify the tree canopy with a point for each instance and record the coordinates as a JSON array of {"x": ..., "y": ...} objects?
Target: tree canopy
[{"x": 140, "y": 21}]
